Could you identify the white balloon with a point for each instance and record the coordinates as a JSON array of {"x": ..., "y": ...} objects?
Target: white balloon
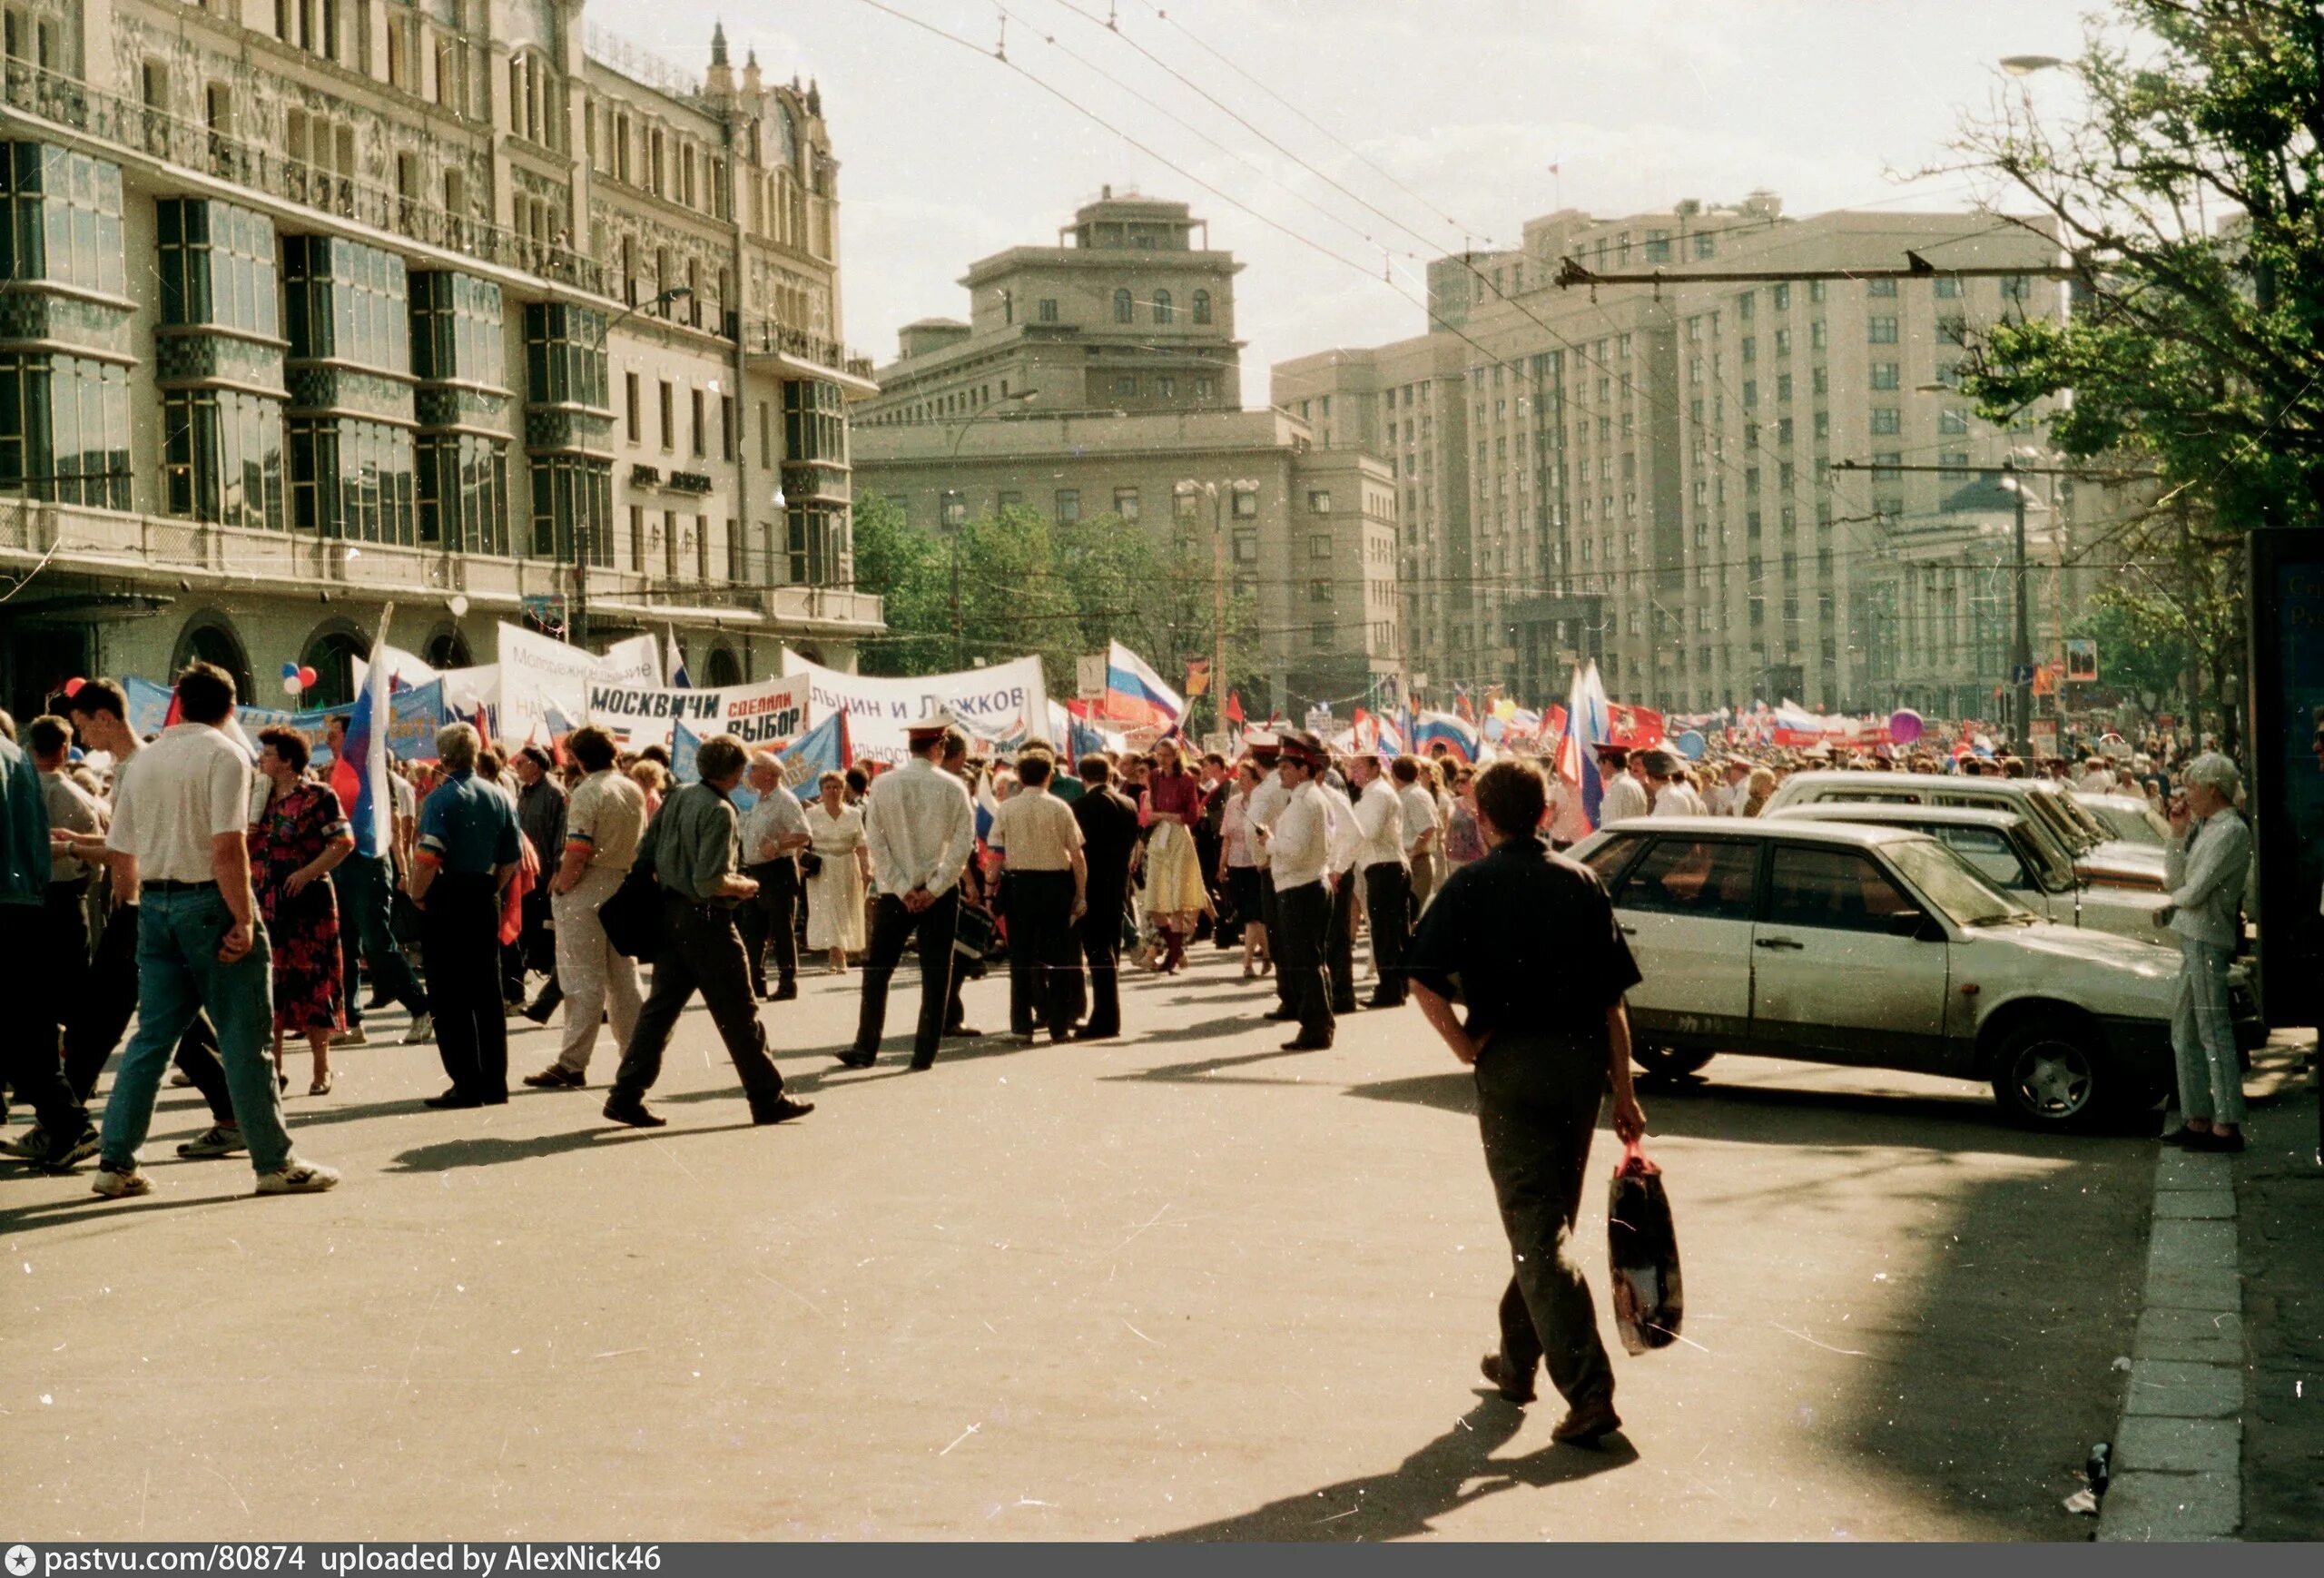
[
  {"x": 290, "y": 685},
  {"x": 460, "y": 606}
]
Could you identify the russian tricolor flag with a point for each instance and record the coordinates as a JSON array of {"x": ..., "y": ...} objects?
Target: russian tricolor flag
[
  {"x": 1586, "y": 725},
  {"x": 1135, "y": 694},
  {"x": 359, "y": 777}
]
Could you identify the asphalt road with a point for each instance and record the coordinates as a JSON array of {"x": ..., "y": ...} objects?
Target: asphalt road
[{"x": 1180, "y": 1287}]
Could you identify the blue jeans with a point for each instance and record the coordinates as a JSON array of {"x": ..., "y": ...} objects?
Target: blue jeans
[{"x": 178, "y": 976}]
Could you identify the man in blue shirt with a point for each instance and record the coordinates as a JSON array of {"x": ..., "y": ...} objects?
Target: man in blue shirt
[{"x": 467, "y": 852}]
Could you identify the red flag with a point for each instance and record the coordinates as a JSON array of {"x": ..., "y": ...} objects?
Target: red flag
[{"x": 1234, "y": 707}]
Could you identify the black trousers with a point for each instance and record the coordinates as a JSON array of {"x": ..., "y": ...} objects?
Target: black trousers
[
  {"x": 1101, "y": 947},
  {"x": 1339, "y": 946},
  {"x": 1388, "y": 900},
  {"x": 459, "y": 946},
  {"x": 1044, "y": 959},
  {"x": 1303, "y": 921},
  {"x": 701, "y": 950},
  {"x": 771, "y": 919},
  {"x": 28, "y": 1051},
  {"x": 1537, "y": 1105},
  {"x": 365, "y": 888},
  {"x": 92, "y": 1033},
  {"x": 1270, "y": 917},
  {"x": 893, "y": 926}
]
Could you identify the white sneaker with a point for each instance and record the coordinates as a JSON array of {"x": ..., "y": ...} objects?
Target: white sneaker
[
  {"x": 218, "y": 1139},
  {"x": 423, "y": 1028},
  {"x": 120, "y": 1186},
  {"x": 298, "y": 1178},
  {"x": 352, "y": 1036}
]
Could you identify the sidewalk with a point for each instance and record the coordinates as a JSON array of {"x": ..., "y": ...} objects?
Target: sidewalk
[
  {"x": 2222, "y": 1433},
  {"x": 2279, "y": 1210}
]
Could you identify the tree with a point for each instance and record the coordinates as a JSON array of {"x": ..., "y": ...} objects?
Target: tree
[{"x": 2185, "y": 196}]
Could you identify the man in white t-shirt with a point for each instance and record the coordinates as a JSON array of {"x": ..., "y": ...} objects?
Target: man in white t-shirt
[{"x": 179, "y": 840}]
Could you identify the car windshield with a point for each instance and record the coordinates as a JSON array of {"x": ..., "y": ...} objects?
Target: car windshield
[
  {"x": 2093, "y": 830},
  {"x": 2133, "y": 823},
  {"x": 1946, "y": 881},
  {"x": 2050, "y": 811}
]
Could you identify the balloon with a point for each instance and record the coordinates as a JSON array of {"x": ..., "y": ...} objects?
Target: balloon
[
  {"x": 73, "y": 686},
  {"x": 460, "y": 606},
  {"x": 290, "y": 671},
  {"x": 290, "y": 685},
  {"x": 306, "y": 678},
  {"x": 1690, "y": 746},
  {"x": 1904, "y": 726}
]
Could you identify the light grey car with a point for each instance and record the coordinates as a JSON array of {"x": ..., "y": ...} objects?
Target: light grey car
[{"x": 2067, "y": 820}]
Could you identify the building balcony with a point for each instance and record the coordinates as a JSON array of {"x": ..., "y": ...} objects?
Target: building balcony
[
  {"x": 110, "y": 125},
  {"x": 800, "y": 354},
  {"x": 169, "y": 556}
]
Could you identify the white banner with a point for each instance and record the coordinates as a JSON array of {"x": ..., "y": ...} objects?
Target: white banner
[
  {"x": 772, "y": 713},
  {"x": 538, "y": 672},
  {"x": 1007, "y": 700}
]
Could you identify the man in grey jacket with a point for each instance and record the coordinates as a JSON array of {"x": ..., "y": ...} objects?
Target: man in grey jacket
[{"x": 2204, "y": 869}]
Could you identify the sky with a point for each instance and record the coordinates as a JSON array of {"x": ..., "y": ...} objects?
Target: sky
[{"x": 1403, "y": 130}]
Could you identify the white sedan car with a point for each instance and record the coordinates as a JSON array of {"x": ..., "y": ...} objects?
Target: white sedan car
[{"x": 1877, "y": 946}]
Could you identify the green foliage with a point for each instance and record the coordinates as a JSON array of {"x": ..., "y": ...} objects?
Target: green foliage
[
  {"x": 1029, "y": 585},
  {"x": 2136, "y": 655}
]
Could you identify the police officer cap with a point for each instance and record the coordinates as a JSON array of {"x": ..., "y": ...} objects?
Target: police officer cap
[{"x": 1304, "y": 748}]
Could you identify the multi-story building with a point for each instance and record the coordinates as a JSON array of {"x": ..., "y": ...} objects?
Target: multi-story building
[
  {"x": 311, "y": 305},
  {"x": 1095, "y": 376},
  {"x": 1642, "y": 473}
]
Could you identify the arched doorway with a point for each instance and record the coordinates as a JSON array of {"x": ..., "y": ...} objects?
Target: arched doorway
[
  {"x": 210, "y": 637},
  {"x": 331, "y": 652},
  {"x": 447, "y": 648},
  {"x": 721, "y": 669}
]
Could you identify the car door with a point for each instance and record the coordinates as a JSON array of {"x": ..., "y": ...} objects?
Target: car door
[
  {"x": 1684, "y": 905},
  {"x": 1835, "y": 977}
]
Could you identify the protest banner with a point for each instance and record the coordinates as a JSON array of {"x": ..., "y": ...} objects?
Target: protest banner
[
  {"x": 1006, "y": 700},
  {"x": 765, "y": 715},
  {"x": 539, "y": 673}
]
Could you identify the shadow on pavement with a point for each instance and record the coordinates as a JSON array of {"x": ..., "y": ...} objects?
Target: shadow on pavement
[
  {"x": 489, "y": 1150},
  {"x": 1449, "y": 1473}
]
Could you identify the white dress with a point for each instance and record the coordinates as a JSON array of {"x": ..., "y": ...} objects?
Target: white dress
[{"x": 835, "y": 894}]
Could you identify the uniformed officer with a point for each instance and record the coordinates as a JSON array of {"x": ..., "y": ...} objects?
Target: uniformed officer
[
  {"x": 1298, "y": 845},
  {"x": 1506, "y": 924}
]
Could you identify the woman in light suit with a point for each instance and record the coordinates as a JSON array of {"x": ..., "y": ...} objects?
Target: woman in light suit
[{"x": 2208, "y": 859}]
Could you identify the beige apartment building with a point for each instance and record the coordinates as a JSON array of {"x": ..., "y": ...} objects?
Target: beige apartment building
[
  {"x": 1643, "y": 473},
  {"x": 1091, "y": 379},
  {"x": 316, "y": 305}
]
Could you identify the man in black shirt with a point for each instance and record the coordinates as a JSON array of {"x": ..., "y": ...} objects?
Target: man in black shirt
[
  {"x": 1109, "y": 839},
  {"x": 1543, "y": 966}
]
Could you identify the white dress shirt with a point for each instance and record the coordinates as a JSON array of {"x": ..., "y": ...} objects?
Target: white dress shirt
[
  {"x": 1678, "y": 800},
  {"x": 1343, "y": 840},
  {"x": 1380, "y": 825},
  {"x": 777, "y": 815},
  {"x": 2205, "y": 873},
  {"x": 1266, "y": 804},
  {"x": 1301, "y": 848},
  {"x": 171, "y": 798},
  {"x": 920, "y": 828},
  {"x": 1419, "y": 815},
  {"x": 1625, "y": 800},
  {"x": 1036, "y": 831}
]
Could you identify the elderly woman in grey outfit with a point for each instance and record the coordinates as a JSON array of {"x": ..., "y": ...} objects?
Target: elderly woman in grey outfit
[{"x": 2205, "y": 866}]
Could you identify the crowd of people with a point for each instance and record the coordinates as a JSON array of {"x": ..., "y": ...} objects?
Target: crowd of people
[{"x": 225, "y": 899}]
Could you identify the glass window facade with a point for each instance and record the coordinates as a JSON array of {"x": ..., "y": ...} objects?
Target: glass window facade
[
  {"x": 221, "y": 457},
  {"x": 346, "y": 303},
  {"x": 61, "y": 219},
  {"x": 814, "y": 421},
  {"x": 354, "y": 479},
  {"x": 573, "y": 501},
  {"x": 564, "y": 356},
  {"x": 64, "y": 429},
  {"x": 456, "y": 330},
  {"x": 217, "y": 266},
  {"x": 463, "y": 492},
  {"x": 817, "y": 545}
]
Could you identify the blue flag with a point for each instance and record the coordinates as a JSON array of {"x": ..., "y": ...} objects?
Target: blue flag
[{"x": 822, "y": 749}]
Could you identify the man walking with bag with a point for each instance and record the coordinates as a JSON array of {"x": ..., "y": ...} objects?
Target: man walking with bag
[
  {"x": 693, "y": 846},
  {"x": 1506, "y": 924}
]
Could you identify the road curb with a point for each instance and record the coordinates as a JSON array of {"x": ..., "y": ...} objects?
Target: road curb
[{"x": 2178, "y": 1452}]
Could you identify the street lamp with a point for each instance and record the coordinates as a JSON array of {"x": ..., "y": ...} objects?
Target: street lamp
[
  {"x": 1023, "y": 396},
  {"x": 1190, "y": 489}
]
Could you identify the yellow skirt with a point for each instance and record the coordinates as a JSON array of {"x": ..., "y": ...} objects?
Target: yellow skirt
[{"x": 1172, "y": 872}]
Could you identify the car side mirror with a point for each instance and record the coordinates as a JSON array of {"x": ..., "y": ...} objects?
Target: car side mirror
[{"x": 1916, "y": 925}]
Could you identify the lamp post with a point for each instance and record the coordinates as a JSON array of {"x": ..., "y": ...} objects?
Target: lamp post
[
  {"x": 1022, "y": 397},
  {"x": 1190, "y": 489}
]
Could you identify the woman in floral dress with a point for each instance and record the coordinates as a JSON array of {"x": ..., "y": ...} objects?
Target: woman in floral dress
[{"x": 299, "y": 835}]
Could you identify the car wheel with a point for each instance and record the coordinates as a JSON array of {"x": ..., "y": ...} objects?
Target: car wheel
[
  {"x": 1668, "y": 1062},
  {"x": 2050, "y": 1073}
]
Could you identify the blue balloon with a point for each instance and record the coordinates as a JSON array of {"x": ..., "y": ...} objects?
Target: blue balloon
[
  {"x": 1690, "y": 746},
  {"x": 290, "y": 671}
]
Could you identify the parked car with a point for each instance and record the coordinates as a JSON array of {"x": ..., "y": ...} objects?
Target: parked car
[
  {"x": 2012, "y": 853},
  {"x": 2078, "y": 833},
  {"x": 2127, "y": 818},
  {"x": 1879, "y": 947}
]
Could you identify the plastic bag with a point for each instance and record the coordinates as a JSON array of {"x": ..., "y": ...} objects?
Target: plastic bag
[{"x": 1642, "y": 1256}]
